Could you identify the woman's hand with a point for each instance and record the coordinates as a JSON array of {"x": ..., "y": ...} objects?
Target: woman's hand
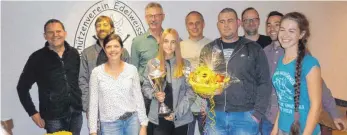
[
  {"x": 274, "y": 132},
  {"x": 170, "y": 117},
  {"x": 143, "y": 130},
  {"x": 160, "y": 96}
]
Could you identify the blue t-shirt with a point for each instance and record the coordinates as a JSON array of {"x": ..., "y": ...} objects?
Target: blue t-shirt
[{"x": 283, "y": 81}]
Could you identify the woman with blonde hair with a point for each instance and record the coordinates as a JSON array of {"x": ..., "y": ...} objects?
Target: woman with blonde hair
[{"x": 176, "y": 94}]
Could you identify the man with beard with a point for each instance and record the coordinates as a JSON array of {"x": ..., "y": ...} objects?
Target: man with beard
[
  {"x": 250, "y": 24},
  {"x": 273, "y": 52},
  {"x": 94, "y": 55}
]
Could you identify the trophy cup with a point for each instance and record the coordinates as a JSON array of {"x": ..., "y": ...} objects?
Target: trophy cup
[{"x": 157, "y": 78}]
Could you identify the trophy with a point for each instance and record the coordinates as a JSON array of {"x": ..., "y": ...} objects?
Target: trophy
[{"x": 157, "y": 78}]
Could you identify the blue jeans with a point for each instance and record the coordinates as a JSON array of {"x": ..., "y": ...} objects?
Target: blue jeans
[
  {"x": 130, "y": 126},
  {"x": 191, "y": 127},
  {"x": 280, "y": 132},
  {"x": 232, "y": 123},
  {"x": 72, "y": 123},
  {"x": 265, "y": 127}
]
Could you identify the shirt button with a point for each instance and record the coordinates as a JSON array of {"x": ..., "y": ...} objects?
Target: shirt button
[
  {"x": 276, "y": 51},
  {"x": 275, "y": 62}
]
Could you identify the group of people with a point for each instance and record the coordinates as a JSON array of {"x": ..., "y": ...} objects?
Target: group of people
[{"x": 279, "y": 88}]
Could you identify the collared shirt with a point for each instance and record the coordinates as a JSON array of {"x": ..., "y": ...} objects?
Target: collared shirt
[
  {"x": 273, "y": 54},
  {"x": 143, "y": 48},
  {"x": 191, "y": 51}
]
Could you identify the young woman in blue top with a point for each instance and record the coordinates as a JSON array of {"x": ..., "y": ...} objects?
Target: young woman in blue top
[{"x": 297, "y": 80}]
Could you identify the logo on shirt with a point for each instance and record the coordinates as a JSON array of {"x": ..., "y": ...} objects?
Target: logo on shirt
[
  {"x": 282, "y": 81},
  {"x": 127, "y": 23}
]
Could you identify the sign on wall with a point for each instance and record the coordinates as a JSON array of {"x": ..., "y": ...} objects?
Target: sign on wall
[{"x": 127, "y": 23}]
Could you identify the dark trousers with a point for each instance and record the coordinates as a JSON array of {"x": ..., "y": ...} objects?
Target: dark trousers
[
  {"x": 72, "y": 123},
  {"x": 166, "y": 128},
  {"x": 200, "y": 119}
]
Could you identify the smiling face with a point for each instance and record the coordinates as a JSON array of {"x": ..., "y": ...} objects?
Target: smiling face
[
  {"x": 195, "y": 25},
  {"x": 113, "y": 50},
  {"x": 273, "y": 26},
  {"x": 289, "y": 34},
  {"x": 55, "y": 34},
  {"x": 154, "y": 17},
  {"x": 169, "y": 44},
  {"x": 103, "y": 28}
]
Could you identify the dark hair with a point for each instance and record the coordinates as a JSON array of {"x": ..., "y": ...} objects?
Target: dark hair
[
  {"x": 102, "y": 18},
  {"x": 225, "y": 10},
  {"x": 111, "y": 37},
  {"x": 247, "y": 9},
  {"x": 195, "y": 12},
  {"x": 303, "y": 25},
  {"x": 274, "y": 13},
  {"x": 53, "y": 21}
]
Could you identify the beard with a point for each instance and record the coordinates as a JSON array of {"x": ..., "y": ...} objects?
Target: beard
[{"x": 251, "y": 32}]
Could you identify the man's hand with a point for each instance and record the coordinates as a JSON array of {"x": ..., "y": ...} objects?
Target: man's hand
[
  {"x": 160, "y": 96},
  {"x": 93, "y": 134},
  {"x": 38, "y": 120},
  {"x": 203, "y": 112},
  {"x": 143, "y": 130},
  {"x": 340, "y": 124},
  {"x": 170, "y": 117}
]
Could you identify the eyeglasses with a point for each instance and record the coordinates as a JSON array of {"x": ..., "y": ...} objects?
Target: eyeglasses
[
  {"x": 155, "y": 16},
  {"x": 250, "y": 20}
]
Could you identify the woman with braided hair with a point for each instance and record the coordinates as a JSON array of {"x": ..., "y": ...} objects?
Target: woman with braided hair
[{"x": 297, "y": 80}]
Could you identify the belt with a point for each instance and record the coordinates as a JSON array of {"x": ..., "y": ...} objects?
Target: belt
[{"x": 126, "y": 115}]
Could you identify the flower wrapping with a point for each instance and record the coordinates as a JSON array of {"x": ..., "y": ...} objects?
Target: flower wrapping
[
  {"x": 60, "y": 133},
  {"x": 211, "y": 76}
]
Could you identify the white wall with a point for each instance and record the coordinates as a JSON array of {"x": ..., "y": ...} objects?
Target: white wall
[{"x": 22, "y": 33}]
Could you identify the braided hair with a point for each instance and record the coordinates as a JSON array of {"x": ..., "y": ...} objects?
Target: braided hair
[{"x": 303, "y": 25}]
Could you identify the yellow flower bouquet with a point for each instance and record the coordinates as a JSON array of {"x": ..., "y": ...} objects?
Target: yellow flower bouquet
[
  {"x": 205, "y": 81},
  {"x": 61, "y": 133}
]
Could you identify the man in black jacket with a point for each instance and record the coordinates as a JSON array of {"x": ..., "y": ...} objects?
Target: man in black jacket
[
  {"x": 240, "y": 106},
  {"x": 54, "y": 68}
]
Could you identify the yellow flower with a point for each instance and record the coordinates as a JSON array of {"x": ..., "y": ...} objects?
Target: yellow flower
[
  {"x": 205, "y": 81},
  {"x": 61, "y": 133}
]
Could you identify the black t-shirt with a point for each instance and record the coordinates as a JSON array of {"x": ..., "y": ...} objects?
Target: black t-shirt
[
  {"x": 168, "y": 92},
  {"x": 228, "y": 49},
  {"x": 263, "y": 41}
]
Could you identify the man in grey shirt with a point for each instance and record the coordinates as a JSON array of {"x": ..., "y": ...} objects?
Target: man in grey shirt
[{"x": 190, "y": 49}]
